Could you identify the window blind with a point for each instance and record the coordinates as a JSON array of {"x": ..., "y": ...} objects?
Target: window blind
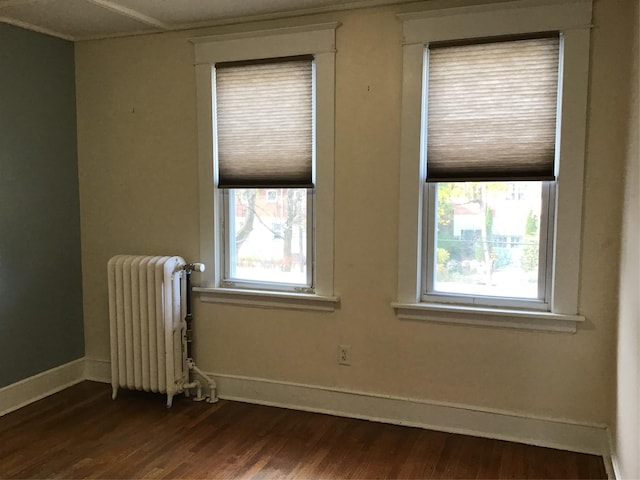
[
  {"x": 264, "y": 113},
  {"x": 492, "y": 110}
]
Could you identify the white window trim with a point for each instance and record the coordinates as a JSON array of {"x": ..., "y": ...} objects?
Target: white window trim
[
  {"x": 319, "y": 40},
  {"x": 573, "y": 19},
  {"x": 485, "y": 316},
  {"x": 268, "y": 299}
]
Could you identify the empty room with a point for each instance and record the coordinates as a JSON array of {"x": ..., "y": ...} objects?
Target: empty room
[{"x": 319, "y": 239}]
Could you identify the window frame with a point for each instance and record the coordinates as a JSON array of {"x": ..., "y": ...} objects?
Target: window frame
[
  {"x": 573, "y": 20},
  {"x": 317, "y": 40}
]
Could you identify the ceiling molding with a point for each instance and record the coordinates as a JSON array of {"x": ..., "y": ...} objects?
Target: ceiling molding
[
  {"x": 14, "y": 3},
  {"x": 356, "y": 5},
  {"x": 130, "y": 13},
  {"x": 36, "y": 28},
  {"x": 166, "y": 25}
]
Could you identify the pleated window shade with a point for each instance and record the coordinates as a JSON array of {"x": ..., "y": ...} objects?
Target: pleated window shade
[
  {"x": 492, "y": 110},
  {"x": 265, "y": 123}
]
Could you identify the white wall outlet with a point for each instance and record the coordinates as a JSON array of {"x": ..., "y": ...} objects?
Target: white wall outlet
[{"x": 344, "y": 354}]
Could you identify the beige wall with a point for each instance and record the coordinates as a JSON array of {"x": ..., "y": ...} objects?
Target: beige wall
[
  {"x": 138, "y": 187},
  {"x": 626, "y": 414}
]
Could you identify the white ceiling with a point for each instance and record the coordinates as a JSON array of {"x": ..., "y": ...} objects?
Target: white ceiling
[{"x": 89, "y": 19}]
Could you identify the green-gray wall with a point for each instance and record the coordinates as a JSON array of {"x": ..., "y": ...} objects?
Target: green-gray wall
[{"x": 40, "y": 276}]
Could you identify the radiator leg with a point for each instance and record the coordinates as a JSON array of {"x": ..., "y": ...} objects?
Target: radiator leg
[
  {"x": 169, "y": 400},
  {"x": 115, "y": 392}
]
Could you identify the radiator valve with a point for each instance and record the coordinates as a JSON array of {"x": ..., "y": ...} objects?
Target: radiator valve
[{"x": 194, "y": 267}]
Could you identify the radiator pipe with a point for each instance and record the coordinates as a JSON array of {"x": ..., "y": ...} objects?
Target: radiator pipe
[
  {"x": 212, "y": 397},
  {"x": 189, "y": 268}
]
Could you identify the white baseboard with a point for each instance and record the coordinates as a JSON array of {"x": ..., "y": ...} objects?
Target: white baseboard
[
  {"x": 97, "y": 370},
  {"x": 611, "y": 463},
  {"x": 610, "y": 466},
  {"x": 553, "y": 433},
  {"x": 29, "y": 390},
  {"x": 615, "y": 467},
  {"x": 447, "y": 417}
]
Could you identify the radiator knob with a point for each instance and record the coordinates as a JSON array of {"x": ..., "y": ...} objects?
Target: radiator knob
[
  {"x": 194, "y": 267},
  {"x": 198, "y": 267}
]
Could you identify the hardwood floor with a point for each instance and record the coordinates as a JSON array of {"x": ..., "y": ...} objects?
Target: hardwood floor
[{"x": 82, "y": 433}]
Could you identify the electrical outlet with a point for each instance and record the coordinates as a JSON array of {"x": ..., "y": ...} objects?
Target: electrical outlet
[{"x": 344, "y": 354}]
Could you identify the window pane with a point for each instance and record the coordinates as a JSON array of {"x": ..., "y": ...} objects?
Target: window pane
[
  {"x": 487, "y": 239},
  {"x": 267, "y": 235}
]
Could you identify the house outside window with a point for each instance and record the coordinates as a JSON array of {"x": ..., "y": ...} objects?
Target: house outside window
[{"x": 272, "y": 196}]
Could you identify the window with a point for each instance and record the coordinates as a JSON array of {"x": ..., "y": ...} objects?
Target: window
[
  {"x": 266, "y": 146},
  {"x": 490, "y": 120},
  {"x": 493, "y": 130},
  {"x": 265, "y": 136}
]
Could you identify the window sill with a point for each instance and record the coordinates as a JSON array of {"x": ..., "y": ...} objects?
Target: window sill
[
  {"x": 489, "y": 317},
  {"x": 268, "y": 299}
]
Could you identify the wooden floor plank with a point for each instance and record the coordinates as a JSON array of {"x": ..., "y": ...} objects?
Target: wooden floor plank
[{"x": 81, "y": 433}]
